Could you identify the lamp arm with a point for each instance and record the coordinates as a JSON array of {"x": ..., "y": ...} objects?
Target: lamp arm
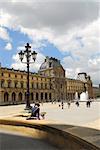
[
  {"x": 31, "y": 62},
  {"x": 23, "y": 62},
  {"x": 26, "y": 62}
]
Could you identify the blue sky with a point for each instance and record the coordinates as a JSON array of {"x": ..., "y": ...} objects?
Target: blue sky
[
  {"x": 68, "y": 31},
  {"x": 20, "y": 39},
  {"x": 17, "y": 39}
]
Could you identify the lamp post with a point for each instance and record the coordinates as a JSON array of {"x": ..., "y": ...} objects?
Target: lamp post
[
  {"x": 84, "y": 87},
  {"x": 28, "y": 54}
]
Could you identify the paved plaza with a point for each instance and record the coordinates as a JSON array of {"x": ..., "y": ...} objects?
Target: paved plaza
[
  {"x": 80, "y": 116},
  {"x": 9, "y": 139},
  {"x": 56, "y": 117}
]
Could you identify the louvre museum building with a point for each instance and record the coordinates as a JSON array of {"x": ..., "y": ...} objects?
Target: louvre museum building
[{"x": 48, "y": 85}]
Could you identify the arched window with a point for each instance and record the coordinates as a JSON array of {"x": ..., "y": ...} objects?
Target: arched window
[
  {"x": 37, "y": 96},
  {"x": 41, "y": 85},
  {"x": 45, "y": 85},
  {"x": 46, "y": 96},
  {"x": 13, "y": 97},
  {"x": 16, "y": 84},
  {"x": 25, "y": 95},
  {"x": 50, "y": 64},
  {"x": 41, "y": 96},
  {"x": 20, "y": 96},
  {"x": 9, "y": 84},
  {"x": 32, "y": 85},
  {"x": 21, "y": 84},
  {"x": 2, "y": 83},
  {"x": 31, "y": 98},
  {"x": 6, "y": 97},
  {"x": 50, "y": 96}
]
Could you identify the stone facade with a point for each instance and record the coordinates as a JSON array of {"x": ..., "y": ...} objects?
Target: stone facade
[
  {"x": 96, "y": 92},
  {"x": 49, "y": 84}
]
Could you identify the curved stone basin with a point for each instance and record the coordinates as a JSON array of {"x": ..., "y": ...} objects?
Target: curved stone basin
[
  {"x": 13, "y": 138},
  {"x": 63, "y": 140}
]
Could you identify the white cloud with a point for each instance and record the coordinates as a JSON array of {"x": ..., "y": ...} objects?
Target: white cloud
[
  {"x": 8, "y": 46},
  {"x": 17, "y": 64},
  {"x": 85, "y": 53},
  {"x": 72, "y": 26},
  {"x": 4, "y": 34}
]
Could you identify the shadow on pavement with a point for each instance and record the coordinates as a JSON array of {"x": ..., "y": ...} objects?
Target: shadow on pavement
[{"x": 16, "y": 142}]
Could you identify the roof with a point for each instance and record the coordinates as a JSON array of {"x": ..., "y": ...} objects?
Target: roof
[{"x": 50, "y": 63}]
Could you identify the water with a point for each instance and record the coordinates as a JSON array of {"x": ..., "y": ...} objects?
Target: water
[{"x": 84, "y": 96}]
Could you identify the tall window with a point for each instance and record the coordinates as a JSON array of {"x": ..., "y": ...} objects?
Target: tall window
[
  {"x": 20, "y": 96},
  {"x": 50, "y": 86},
  {"x": 2, "y": 83},
  {"x": 31, "y": 98},
  {"x": 6, "y": 97},
  {"x": 9, "y": 84},
  {"x": 41, "y": 96},
  {"x": 46, "y": 96},
  {"x": 13, "y": 97},
  {"x": 50, "y": 96},
  {"x": 37, "y": 96},
  {"x": 41, "y": 85},
  {"x": 32, "y": 85},
  {"x": 50, "y": 64},
  {"x": 21, "y": 84},
  {"x": 45, "y": 85},
  {"x": 15, "y": 84}
]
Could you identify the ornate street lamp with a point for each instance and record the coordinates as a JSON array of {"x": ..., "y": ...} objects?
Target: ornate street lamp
[{"x": 28, "y": 54}]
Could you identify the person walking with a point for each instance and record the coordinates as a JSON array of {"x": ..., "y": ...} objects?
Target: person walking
[
  {"x": 62, "y": 104},
  {"x": 69, "y": 103},
  {"x": 77, "y": 103}
]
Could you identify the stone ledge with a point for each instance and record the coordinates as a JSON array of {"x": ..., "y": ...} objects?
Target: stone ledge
[{"x": 61, "y": 136}]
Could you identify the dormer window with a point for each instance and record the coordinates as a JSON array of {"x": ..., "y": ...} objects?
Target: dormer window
[{"x": 50, "y": 64}]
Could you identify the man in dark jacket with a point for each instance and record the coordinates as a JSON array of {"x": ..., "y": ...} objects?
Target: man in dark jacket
[{"x": 36, "y": 111}]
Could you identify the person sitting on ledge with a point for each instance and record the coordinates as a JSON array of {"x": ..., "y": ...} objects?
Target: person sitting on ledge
[{"x": 36, "y": 111}]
